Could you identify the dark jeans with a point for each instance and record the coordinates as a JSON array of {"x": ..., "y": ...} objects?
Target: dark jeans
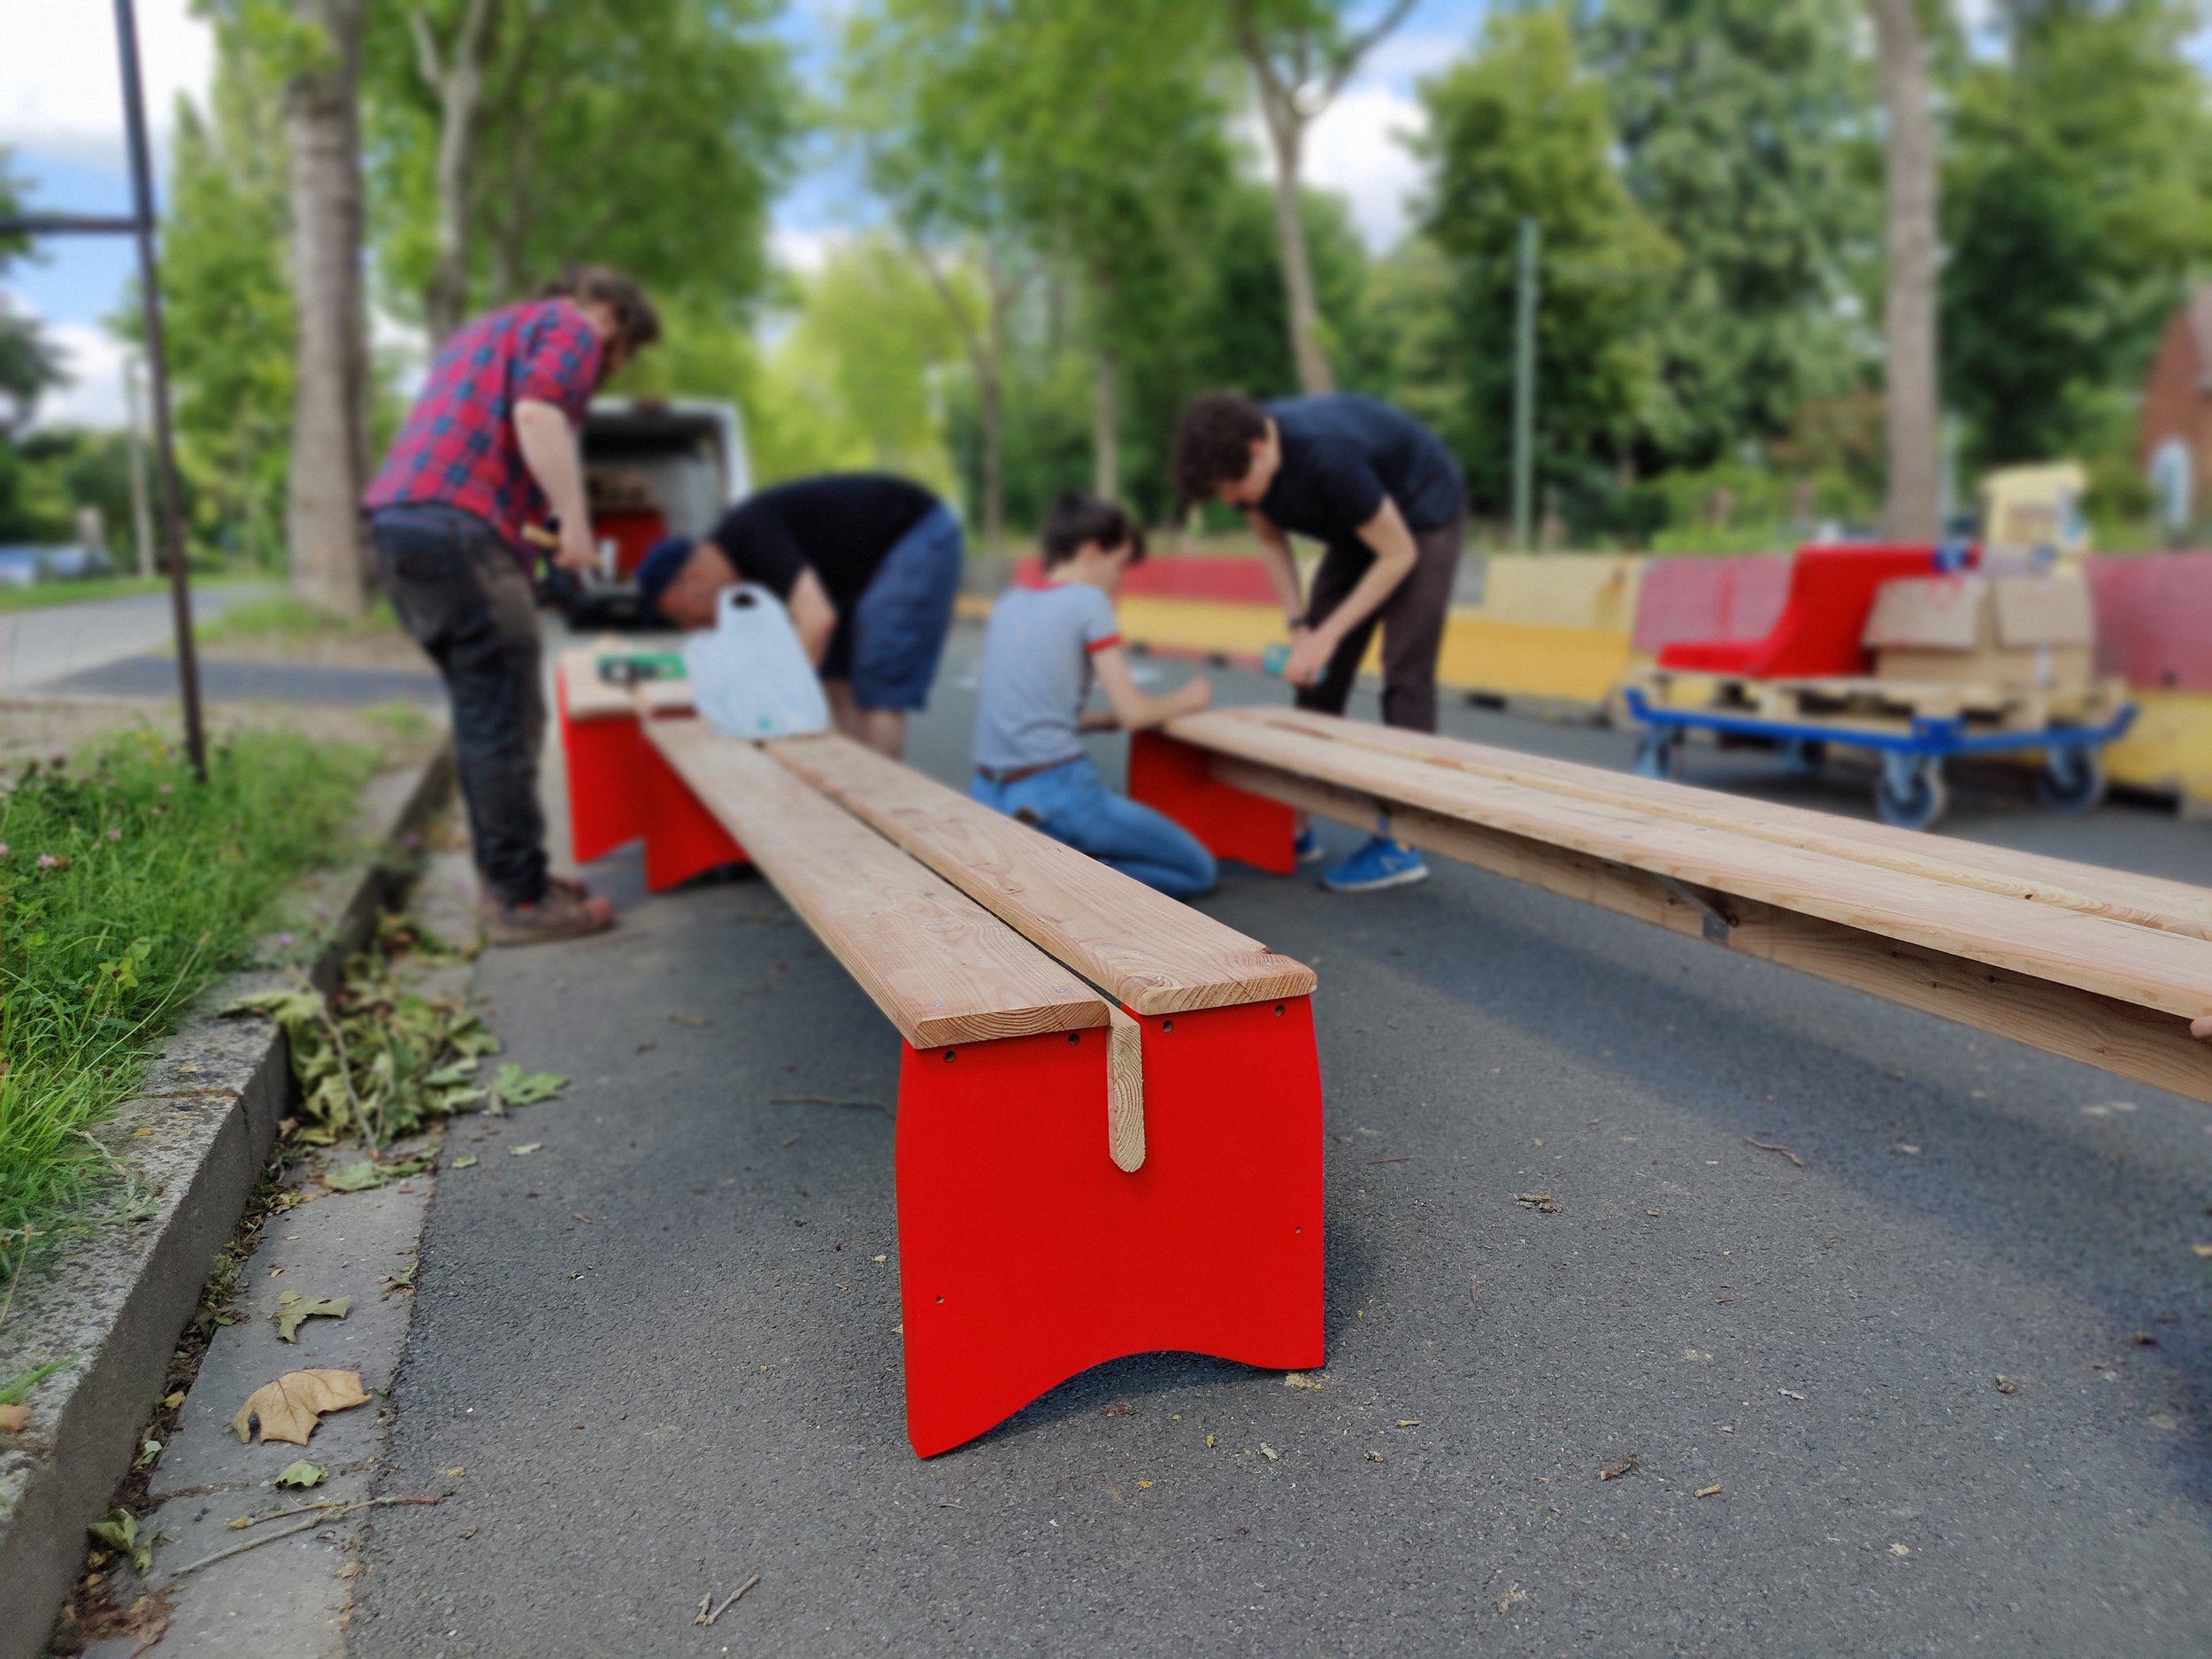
[
  {"x": 463, "y": 595},
  {"x": 1411, "y": 618}
]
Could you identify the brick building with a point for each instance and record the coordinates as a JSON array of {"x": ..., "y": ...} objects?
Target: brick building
[{"x": 2176, "y": 446}]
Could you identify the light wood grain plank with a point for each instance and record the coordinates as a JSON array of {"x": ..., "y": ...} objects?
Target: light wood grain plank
[
  {"x": 2135, "y": 1043},
  {"x": 1124, "y": 1093},
  {"x": 1152, "y": 953},
  {"x": 2144, "y": 901},
  {"x": 2092, "y": 952},
  {"x": 590, "y": 698},
  {"x": 942, "y": 969}
]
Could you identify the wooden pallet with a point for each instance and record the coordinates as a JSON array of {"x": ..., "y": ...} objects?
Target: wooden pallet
[{"x": 1865, "y": 703}]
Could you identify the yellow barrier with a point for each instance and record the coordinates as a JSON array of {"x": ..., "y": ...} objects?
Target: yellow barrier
[{"x": 2169, "y": 748}]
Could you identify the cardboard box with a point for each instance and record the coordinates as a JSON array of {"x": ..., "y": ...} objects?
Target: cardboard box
[{"x": 2009, "y": 632}]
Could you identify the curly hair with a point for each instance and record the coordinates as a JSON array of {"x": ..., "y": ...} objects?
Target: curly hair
[
  {"x": 634, "y": 314},
  {"x": 1213, "y": 442}
]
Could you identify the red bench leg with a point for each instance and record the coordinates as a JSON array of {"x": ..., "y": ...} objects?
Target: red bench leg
[
  {"x": 1178, "y": 779},
  {"x": 1025, "y": 1256},
  {"x": 682, "y": 839},
  {"x": 605, "y": 796}
]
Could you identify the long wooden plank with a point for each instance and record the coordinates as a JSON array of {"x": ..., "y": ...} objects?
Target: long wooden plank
[
  {"x": 1153, "y": 955},
  {"x": 2120, "y": 1037},
  {"x": 2145, "y": 900},
  {"x": 893, "y": 924},
  {"x": 2095, "y": 953},
  {"x": 590, "y": 698}
]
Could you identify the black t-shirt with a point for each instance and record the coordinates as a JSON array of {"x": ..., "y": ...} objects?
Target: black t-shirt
[
  {"x": 842, "y": 524},
  {"x": 1342, "y": 455}
]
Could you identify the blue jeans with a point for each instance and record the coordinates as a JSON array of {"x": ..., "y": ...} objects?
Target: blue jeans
[
  {"x": 1072, "y": 803},
  {"x": 889, "y": 644}
]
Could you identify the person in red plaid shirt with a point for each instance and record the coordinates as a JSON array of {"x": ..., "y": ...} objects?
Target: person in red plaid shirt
[{"x": 490, "y": 447}]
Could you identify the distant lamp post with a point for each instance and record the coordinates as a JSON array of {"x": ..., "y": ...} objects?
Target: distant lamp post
[{"x": 140, "y": 224}]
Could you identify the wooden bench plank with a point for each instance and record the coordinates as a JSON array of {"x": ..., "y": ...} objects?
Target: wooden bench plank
[
  {"x": 1149, "y": 952},
  {"x": 2090, "y": 952},
  {"x": 2173, "y": 907},
  {"x": 2119, "y": 1037},
  {"x": 590, "y": 698},
  {"x": 890, "y": 921}
]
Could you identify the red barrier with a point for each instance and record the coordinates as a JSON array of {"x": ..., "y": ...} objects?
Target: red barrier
[
  {"x": 2155, "y": 619},
  {"x": 1240, "y": 581},
  {"x": 1717, "y": 598},
  {"x": 1832, "y": 590}
]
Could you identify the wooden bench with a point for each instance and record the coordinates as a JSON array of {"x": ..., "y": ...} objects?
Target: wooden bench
[
  {"x": 2096, "y": 965},
  {"x": 1109, "y": 1137}
]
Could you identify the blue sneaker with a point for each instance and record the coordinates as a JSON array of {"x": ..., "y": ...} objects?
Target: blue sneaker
[
  {"x": 1382, "y": 863},
  {"x": 1306, "y": 846}
]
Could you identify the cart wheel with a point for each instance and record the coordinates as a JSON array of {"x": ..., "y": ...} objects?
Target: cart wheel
[
  {"x": 1911, "y": 793},
  {"x": 1658, "y": 754},
  {"x": 2072, "y": 779},
  {"x": 1803, "y": 756}
]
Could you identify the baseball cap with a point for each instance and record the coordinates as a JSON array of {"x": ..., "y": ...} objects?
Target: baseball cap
[{"x": 664, "y": 561}]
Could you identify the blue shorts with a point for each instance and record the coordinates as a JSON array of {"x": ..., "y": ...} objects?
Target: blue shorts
[{"x": 888, "y": 643}]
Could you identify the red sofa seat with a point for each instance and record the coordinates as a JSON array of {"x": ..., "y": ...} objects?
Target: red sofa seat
[{"x": 1832, "y": 591}]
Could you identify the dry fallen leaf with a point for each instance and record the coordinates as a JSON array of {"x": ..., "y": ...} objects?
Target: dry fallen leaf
[
  {"x": 1120, "y": 1408},
  {"x": 1789, "y": 1394},
  {"x": 1144, "y": 1486},
  {"x": 1374, "y": 1457},
  {"x": 1712, "y": 1491},
  {"x": 1513, "y": 1597},
  {"x": 14, "y": 1420},
  {"x": 2204, "y": 1251},
  {"x": 1299, "y": 1379},
  {"x": 291, "y": 1406},
  {"x": 1614, "y": 1471},
  {"x": 525, "y": 1149},
  {"x": 292, "y": 1309},
  {"x": 456, "y": 1472},
  {"x": 2005, "y": 1385},
  {"x": 1268, "y": 1452},
  {"x": 1901, "y": 1550},
  {"x": 1542, "y": 1203}
]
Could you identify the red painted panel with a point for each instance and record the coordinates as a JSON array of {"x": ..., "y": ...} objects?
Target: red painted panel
[
  {"x": 1831, "y": 592},
  {"x": 1026, "y": 1256},
  {"x": 1720, "y": 598},
  {"x": 1236, "y": 581},
  {"x": 2155, "y": 619},
  {"x": 605, "y": 797},
  {"x": 1178, "y": 779},
  {"x": 682, "y": 839}
]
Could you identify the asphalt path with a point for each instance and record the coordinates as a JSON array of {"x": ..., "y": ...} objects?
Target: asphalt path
[
  {"x": 664, "y": 1351},
  {"x": 44, "y": 644}
]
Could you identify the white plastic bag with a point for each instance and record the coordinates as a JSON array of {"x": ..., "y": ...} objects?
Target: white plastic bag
[{"x": 749, "y": 675}]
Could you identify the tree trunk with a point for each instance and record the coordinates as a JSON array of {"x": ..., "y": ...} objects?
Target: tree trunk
[
  {"x": 457, "y": 79},
  {"x": 1286, "y": 131},
  {"x": 1913, "y": 512},
  {"x": 991, "y": 411},
  {"x": 323, "y": 507},
  {"x": 1106, "y": 427}
]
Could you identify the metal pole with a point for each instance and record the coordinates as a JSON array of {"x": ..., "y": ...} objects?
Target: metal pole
[
  {"x": 141, "y": 509},
  {"x": 1524, "y": 385},
  {"x": 157, "y": 372}
]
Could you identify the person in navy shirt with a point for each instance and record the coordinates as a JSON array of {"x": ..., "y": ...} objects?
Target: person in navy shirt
[
  {"x": 1382, "y": 496},
  {"x": 489, "y": 448}
]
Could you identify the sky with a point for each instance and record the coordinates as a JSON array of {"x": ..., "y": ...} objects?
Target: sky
[{"x": 61, "y": 116}]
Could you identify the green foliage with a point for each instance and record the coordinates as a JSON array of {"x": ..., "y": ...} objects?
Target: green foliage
[
  {"x": 1519, "y": 132},
  {"x": 127, "y": 886},
  {"x": 1740, "y": 125},
  {"x": 650, "y": 134},
  {"x": 27, "y": 363},
  {"x": 2078, "y": 198},
  {"x": 228, "y": 298}
]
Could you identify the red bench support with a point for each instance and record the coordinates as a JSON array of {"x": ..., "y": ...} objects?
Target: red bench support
[
  {"x": 1231, "y": 823},
  {"x": 1025, "y": 1256},
  {"x": 621, "y": 790}
]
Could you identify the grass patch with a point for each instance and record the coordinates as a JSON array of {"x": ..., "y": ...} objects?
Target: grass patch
[
  {"x": 85, "y": 593},
  {"x": 282, "y": 617},
  {"x": 125, "y": 887}
]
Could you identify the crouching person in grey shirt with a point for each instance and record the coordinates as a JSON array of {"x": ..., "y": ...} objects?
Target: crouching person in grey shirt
[{"x": 1044, "y": 649}]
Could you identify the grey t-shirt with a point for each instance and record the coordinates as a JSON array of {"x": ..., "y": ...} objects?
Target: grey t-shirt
[{"x": 1037, "y": 673}]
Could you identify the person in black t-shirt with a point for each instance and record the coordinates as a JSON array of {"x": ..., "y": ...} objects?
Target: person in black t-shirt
[
  {"x": 867, "y": 565},
  {"x": 1381, "y": 495}
]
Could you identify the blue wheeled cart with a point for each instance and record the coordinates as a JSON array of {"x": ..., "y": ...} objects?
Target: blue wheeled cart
[{"x": 1908, "y": 791}]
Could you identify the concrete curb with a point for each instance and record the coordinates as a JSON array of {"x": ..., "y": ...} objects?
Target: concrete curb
[{"x": 198, "y": 1135}]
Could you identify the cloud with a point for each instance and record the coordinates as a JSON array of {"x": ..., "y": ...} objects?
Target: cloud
[
  {"x": 92, "y": 394},
  {"x": 804, "y": 249},
  {"x": 60, "y": 94},
  {"x": 1357, "y": 149}
]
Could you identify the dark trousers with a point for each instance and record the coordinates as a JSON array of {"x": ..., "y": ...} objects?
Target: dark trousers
[
  {"x": 463, "y": 595},
  {"x": 1412, "y": 619}
]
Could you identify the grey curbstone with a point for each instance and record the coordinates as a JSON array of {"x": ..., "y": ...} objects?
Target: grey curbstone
[{"x": 195, "y": 1138}]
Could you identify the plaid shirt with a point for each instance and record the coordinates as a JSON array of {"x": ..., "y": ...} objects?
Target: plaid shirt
[{"x": 458, "y": 447}]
